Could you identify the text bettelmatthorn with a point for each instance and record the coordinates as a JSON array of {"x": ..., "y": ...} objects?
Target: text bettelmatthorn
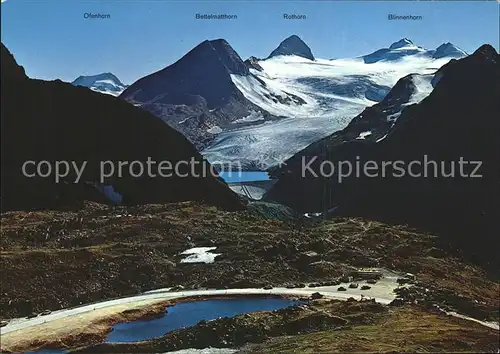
[{"x": 215, "y": 17}]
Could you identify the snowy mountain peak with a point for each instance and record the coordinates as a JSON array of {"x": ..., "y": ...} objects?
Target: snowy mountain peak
[
  {"x": 106, "y": 83},
  {"x": 398, "y": 50},
  {"x": 293, "y": 45},
  {"x": 449, "y": 50},
  {"x": 405, "y": 42}
]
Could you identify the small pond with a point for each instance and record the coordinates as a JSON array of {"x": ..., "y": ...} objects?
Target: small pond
[{"x": 187, "y": 314}]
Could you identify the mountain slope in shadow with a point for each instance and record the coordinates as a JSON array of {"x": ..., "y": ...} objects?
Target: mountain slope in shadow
[{"x": 55, "y": 121}]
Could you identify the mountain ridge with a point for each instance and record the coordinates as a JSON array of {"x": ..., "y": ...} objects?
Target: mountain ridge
[{"x": 56, "y": 121}]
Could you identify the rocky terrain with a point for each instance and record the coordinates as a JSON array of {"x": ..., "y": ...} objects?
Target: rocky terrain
[
  {"x": 57, "y": 259},
  {"x": 195, "y": 95}
]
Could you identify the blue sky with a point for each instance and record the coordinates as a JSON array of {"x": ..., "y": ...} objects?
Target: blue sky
[{"x": 51, "y": 39}]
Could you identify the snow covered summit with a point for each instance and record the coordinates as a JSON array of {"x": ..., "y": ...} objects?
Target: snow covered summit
[
  {"x": 104, "y": 83},
  {"x": 448, "y": 50},
  {"x": 196, "y": 94},
  {"x": 293, "y": 45},
  {"x": 396, "y": 51},
  {"x": 405, "y": 42},
  {"x": 405, "y": 48}
]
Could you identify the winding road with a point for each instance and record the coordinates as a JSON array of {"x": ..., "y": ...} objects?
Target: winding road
[
  {"x": 71, "y": 321},
  {"x": 382, "y": 292}
]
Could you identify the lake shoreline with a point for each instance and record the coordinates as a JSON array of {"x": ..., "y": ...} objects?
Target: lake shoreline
[{"x": 97, "y": 330}]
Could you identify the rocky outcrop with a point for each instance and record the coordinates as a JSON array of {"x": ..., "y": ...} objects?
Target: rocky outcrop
[{"x": 253, "y": 63}]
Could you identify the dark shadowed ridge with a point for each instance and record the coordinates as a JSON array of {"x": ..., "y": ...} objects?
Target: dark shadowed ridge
[
  {"x": 459, "y": 119},
  {"x": 54, "y": 121},
  {"x": 196, "y": 73}
]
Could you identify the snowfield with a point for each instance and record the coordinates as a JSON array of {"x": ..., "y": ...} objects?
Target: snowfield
[
  {"x": 316, "y": 98},
  {"x": 200, "y": 255}
]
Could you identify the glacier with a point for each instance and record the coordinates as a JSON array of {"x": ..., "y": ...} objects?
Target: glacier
[{"x": 317, "y": 97}]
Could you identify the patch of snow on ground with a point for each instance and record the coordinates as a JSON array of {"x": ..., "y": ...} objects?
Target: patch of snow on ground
[
  {"x": 106, "y": 92},
  {"x": 423, "y": 88},
  {"x": 382, "y": 138},
  {"x": 200, "y": 255},
  {"x": 184, "y": 120},
  {"x": 363, "y": 135},
  {"x": 423, "y": 84},
  {"x": 254, "y": 116},
  {"x": 393, "y": 117},
  {"x": 214, "y": 130}
]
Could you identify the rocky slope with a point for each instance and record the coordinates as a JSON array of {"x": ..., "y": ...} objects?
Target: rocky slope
[
  {"x": 196, "y": 95},
  {"x": 55, "y": 121},
  {"x": 458, "y": 120},
  {"x": 57, "y": 259}
]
